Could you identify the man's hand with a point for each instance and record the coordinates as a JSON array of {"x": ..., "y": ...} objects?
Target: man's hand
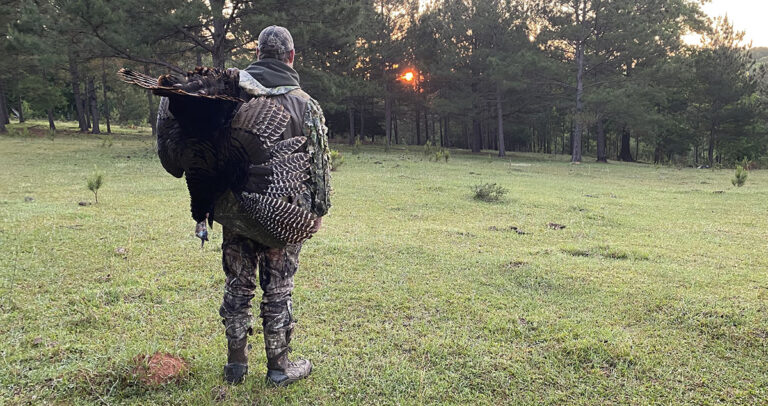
[{"x": 318, "y": 224}]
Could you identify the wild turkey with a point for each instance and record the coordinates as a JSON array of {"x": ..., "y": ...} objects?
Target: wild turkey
[{"x": 221, "y": 143}]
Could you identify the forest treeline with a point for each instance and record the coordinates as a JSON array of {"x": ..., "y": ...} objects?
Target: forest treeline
[{"x": 612, "y": 79}]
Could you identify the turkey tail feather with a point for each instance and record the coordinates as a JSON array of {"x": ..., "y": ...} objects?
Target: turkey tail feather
[
  {"x": 263, "y": 118},
  {"x": 284, "y": 148},
  {"x": 292, "y": 163},
  {"x": 285, "y": 221},
  {"x": 136, "y": 78},
  {"x": 208, "y": 87}
]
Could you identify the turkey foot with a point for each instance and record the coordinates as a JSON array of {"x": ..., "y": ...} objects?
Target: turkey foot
[{"x": 201, "y": 231}]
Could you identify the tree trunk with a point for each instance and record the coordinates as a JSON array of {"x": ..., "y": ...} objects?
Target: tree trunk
[
  {"x": 418, "y": 127},
  {"x": 51, "y": 123},
  {"x": 637, "y": 148},
  {"x": 106, "y": 100},
  {"x": 465, "y": 132},
  {"x": 87, "y": 107},
  {"x": 3, "y": 110},
  {"x": 21, "y": 110},
  {"x": 500, "y": 124},
  {"x": 601, "y": 155},
  {"x": 152, "y": 113},
  {"x": 477, "y": 136},
  {"x": 446, "y": 135},
  {"x": 626, "y": 153},
  {"x": 388, "y": 120},
  {"x": 351, "y": 139},
  {"x": 696, "y": 154},
  {"x": 94, "y": 106},
  {"x": 562, "y": 138},
  {"x": 219, "y": 34},
  {"x": 74, "y": 76},
  {"x": 394, "y": 128},
  {"x": 711, "y": 148},
  {"x": 433, "y": 130},
  {"x": 578, "y": 128},
  {"x": 442, "y": 131},
  {"x": 362, "y": 123}
]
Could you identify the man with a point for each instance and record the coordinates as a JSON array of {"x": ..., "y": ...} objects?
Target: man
[{"x": 273, "y": 76}]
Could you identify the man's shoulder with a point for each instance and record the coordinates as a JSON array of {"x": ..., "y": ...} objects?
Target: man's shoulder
[
  {"x": 311, "y": 106},
  {"x": 300, "y": 93}
]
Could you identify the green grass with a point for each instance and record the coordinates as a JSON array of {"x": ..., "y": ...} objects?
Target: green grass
[{"x": 413, "y": 293}]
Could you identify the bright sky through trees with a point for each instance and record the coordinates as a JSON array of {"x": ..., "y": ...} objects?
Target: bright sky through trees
[{"x": 746, "y": 15}]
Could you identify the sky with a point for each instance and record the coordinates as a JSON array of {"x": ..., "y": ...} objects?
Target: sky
[{"x": 750, "y": 16}]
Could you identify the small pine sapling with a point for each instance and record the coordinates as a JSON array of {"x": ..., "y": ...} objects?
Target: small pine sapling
[
  {"x": 428, "y": 148},
  {"x": 489, "y": 192},
  {"x": 441, "y": 154},
  {"x": 94, "y": 184},
  {"x": 106, "y": 141},
  {"x": 740, "y": 177},
  {"x": 337, "y": 159}
]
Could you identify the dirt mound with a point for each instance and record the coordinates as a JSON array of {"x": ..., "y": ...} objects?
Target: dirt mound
[{"x": 159, "y": 368}]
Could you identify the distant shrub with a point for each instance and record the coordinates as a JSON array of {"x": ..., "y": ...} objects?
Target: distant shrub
[
  {"x": 428, "y": 148},
  {"x": 747, "y": 164},
  {"x": 19, "y": 132},
  {"x": 760, "y": 163},
  {"x": 489, "y": 192},
  {"x": 106, "y": 141},
  {"x": 440, "y": 155},
  {"x": 740, "y": 177},
  {"x": 337, "y": 159},
  {"x": 94, "y": 184}
]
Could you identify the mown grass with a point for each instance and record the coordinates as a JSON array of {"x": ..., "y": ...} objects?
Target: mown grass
[{"x": 413, "y": 293}]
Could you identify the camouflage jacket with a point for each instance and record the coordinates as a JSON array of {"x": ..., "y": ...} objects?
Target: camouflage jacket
[
  {"x": 306, "y": 120},
  {"x": 310, "y": 122}
]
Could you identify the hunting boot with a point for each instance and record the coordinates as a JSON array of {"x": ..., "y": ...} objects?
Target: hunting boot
[
  {"x": 280, "y": 370},
  {"x": 237, "y": 361}
]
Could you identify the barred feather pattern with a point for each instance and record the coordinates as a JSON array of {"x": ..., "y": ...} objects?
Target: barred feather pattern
[
  {"x": 283, "y": 148},
  {"x": 292, "y": 189},
  {"x": 263, "y": 118},
  {"x": 295, "y": 162},
  {"x": 278, "y": 170},
  {"x": 284, "y": 184},
  {"x": 288, "y": 178},
  {"x": 283, "y": 176},
  {"x": 285, "y": 221}
]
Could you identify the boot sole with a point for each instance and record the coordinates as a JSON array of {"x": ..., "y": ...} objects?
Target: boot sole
[{"x": 288, "y": 381}]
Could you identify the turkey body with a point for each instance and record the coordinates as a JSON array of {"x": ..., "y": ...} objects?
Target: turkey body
[
  {"x": 193, "y": 141},
  {"x": 220, "y": 143}
]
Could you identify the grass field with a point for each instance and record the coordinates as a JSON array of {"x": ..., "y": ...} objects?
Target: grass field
[{"x": 413, "y": 293}]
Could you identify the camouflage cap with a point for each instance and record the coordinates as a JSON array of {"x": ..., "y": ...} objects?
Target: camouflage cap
[{"x": 275, "y": 41}]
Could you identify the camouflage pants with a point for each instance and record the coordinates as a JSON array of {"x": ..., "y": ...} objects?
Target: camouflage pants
[{"x": 241, "y": 258}]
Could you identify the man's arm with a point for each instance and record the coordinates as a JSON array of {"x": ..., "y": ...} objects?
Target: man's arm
[{"x": 319, "y": 182}]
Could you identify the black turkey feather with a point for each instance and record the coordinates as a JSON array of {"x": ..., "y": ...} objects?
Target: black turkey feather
[{"x": 221, "y": 143}]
